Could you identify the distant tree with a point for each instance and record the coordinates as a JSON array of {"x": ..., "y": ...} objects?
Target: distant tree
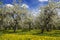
[{"x": 47, "y": 16}]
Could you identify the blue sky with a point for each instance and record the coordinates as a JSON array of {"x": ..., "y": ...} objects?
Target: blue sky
[{"x": 31, "y": 3}]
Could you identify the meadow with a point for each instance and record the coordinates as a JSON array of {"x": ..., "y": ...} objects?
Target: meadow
[
  {"x": 29, "y": 35},
  {"x": 23, "y": 22}
]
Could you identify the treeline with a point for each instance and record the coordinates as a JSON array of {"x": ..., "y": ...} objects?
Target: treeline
[{"x": 21, "y": 18}]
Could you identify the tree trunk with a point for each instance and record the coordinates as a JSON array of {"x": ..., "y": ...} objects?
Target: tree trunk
[
  {"x": 14, "y": 28},
  {"x": 29, "y": 26}
]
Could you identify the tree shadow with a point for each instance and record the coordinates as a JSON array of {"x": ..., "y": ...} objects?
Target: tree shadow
[{"x": 1, "y": 32}]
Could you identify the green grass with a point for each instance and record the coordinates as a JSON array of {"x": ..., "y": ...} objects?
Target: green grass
[{"x": 29, "y": 35}]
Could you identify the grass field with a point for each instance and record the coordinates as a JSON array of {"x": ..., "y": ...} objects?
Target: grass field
[{"x": 29, "y": 35}]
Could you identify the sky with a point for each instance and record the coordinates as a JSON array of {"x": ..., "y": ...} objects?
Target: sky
[{"x": 30, "y": 3}]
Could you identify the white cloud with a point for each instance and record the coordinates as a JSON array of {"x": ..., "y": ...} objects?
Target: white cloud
[
  {"x": 25, "y": 6},
  {"x": 42, "y": 0},
  {"x": 36, "y": 12},
  {"x": 9, "y": 5}
]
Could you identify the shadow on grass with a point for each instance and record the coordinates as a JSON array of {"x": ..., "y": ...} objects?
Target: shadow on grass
[
  {"x": 1, "y": 32},
  {"x": 20, "y": 32},
  {"x": 55, "y": 34}
]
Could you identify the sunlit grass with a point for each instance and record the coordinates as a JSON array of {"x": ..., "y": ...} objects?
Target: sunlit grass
[
  {"x": 30, "y": 35},
  {"x": 26, "y": 37}
]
